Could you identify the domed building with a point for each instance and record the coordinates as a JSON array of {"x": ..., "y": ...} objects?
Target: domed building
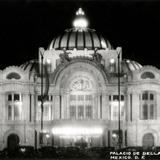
[{"x": 80, "y": 92}]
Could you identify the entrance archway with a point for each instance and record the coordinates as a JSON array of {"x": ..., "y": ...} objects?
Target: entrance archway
[
  {"x": 12, "y": 141},
  {"x": 148, "y": 140}
]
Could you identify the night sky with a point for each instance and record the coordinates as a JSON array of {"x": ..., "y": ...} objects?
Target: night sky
[{"x": 27, "y": 25}]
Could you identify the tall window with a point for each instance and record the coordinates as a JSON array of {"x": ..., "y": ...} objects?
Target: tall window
[
  {"x": 81, "y": 98},
  {"x": 14, "y": 109},
  {"x": 80, "y": 112},
  {"x": 114, "y": 104},
  {"x": 148, "y": 105},
  {"x": 47, "y": 106},
  {"x": 81, "y": 106},
  {"x": 89, "y": 111},
  {"x": 72, "y": 112}
]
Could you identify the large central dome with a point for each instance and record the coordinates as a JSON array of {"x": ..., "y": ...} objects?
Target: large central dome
[{"x": 79, "y": 37}]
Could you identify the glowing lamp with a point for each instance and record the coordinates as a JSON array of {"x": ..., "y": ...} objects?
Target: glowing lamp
[
  {"x": 47, "y": 135},
  {"x": 48, "y": 61},
  {"x": 44, "y": 131},
  {"x": 114, "y": 135},
  {"x": 80, "y": 21},
  {"x": 112, "y": 61}
]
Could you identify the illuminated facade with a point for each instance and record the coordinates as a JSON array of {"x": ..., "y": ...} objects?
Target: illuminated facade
[{"x": 81, "y": 87}]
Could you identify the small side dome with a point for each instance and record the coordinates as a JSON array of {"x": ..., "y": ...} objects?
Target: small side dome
[
  {"x": 130, "y": 65},
  {"x": 79, "y": 37},
  {"x": 31, "y": 66}
]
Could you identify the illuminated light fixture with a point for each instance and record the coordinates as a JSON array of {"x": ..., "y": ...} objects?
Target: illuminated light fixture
[
  {"x": 112, "y": 61},
  {"x": 47, "y": 135},
  {"x": 114, "y": 135},
  {"x": 72, "y": 131},
  {"x": 80, "y": 22},
  {"x": 44, "y": 131},
  {"x": 48, "y": 61}
]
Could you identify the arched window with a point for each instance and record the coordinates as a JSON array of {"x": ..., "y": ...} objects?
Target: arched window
[
  {"x": 148, "y": 105},
  {"x": 13, "y": 75},
  {"x": 146, "y": 75}
]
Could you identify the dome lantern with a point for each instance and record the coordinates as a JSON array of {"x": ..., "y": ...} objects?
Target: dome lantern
[{"x": 80, "y": 22}]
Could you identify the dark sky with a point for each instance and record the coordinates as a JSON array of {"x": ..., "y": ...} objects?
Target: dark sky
[{"x": 27, "y": 25}]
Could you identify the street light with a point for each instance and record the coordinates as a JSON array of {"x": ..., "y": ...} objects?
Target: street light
[
  {"x": 119, "y": 100},
  {"x": 44, "y": 93},
  {"x": 41, "y": 51}
]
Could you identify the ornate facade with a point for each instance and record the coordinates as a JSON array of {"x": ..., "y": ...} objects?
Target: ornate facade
[{"x": 81, "y": 100}]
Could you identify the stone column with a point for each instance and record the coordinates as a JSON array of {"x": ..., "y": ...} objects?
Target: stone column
[
  {"x": 57, "y": 107},
  {"x": 67, "y": 105},
  {"x": 135, "y": 106},
  {"x": 105, "y": 106},
  {"x": 3, "y": 107},
  {"x": 25, "y": 107},
  {"x": 128, "y": 107},
  {"x": 53, "y": 108},
  {"x": 32, "y": 108},
  {"x": 98, "y": 104},
  {"x": 157, "y": 106},
  {"x": 95, "y": 106},
  {"x": 64, "y": 105}
]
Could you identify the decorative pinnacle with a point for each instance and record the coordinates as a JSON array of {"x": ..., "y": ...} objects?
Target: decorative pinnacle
[{"x": 80, "y": 12}]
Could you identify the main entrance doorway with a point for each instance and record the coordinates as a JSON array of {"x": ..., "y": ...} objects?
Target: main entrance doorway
[
  {"x": 148, "y": 140},
  {"x": 79, "y": 136},
  {"x": 12, "y": 141}
]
